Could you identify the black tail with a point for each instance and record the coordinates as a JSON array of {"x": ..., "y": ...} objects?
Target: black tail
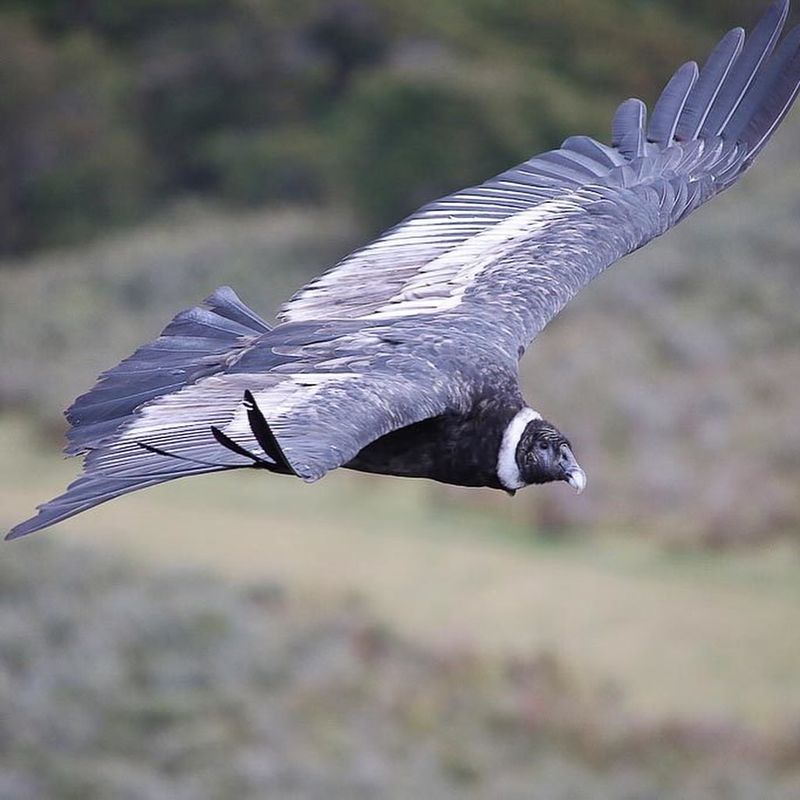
[
  {"x": 200, "y": 342},
  {"x": 742, "y": 94}
]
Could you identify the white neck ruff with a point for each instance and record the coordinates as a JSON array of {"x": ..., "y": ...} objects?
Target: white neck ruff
[{"x": 507, "y": 469}]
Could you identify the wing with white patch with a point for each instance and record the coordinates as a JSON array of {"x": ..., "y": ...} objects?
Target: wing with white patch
[
  {"x": 321, "y": 420},
  {"x": 516, "y": 248},
  {"x": 301, "y": 419}
]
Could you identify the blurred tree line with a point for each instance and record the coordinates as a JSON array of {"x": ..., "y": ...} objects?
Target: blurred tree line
[{"x": 111, "y": 108}]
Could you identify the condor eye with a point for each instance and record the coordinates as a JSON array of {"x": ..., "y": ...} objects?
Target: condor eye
[{"x": 544, "y": 446}]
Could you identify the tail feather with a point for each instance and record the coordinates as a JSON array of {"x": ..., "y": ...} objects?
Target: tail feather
[
  {"x": 772, "y": 96},
  {"x": 197, "y": 343},
  {"x": 627, "y": 130},
  {"x": 739, "y": 98},
  {"x": 758, "y": 47},
  {"x": 712, "y": 78},
  {"x": 92, "y": 490},
  {"x": 225, "y": 302},
  {"x": 670, "y": 105}
]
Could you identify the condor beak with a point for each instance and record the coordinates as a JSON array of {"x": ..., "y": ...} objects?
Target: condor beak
[
  {"x": 573, "y": 474},
  {"x": 576, "y": 478}
]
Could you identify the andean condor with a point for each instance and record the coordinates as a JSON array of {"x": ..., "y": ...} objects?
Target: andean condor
[{"x": 403, "y": 358}]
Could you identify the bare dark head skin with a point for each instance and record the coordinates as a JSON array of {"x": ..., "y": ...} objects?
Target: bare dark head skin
[{"x": 544, "y": 454}]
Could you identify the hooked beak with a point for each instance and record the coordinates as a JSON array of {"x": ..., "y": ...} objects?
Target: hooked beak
[
  {"x": 577, "y": 479},
  {"x": 573, "y": 474}
]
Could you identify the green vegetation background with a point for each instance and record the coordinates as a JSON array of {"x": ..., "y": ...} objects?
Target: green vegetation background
[
  {"x": 110, "y": 110},
  {"x": 545, "y": 647}
]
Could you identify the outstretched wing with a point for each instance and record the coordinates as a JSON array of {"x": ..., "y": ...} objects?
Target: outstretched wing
[
  {"x": 304, "y": 400},
  {"x": 515, "y": 249},
  {"x": 305, "y": 418}
]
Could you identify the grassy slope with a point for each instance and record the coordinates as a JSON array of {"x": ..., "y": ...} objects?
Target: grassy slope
[
  {"x": 168, "y": 683},
  {"x": 678, "y": 634}
]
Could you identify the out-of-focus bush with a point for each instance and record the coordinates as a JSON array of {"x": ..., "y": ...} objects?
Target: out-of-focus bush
[
  {"x": 71, "y": 160},
  {"x": 601, "y": 46},
  {"x": 111, "y": 108},
  {"x": 117, "y": 683},
  {"x": 454, "y": 141},
  {"x": 287, "y": 165}
]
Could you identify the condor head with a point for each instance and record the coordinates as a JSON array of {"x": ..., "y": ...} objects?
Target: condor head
[{"x": 537, "y": 453}]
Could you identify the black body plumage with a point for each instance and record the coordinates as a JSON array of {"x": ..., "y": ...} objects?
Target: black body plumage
[
  {"x": 403, "y": 358},
  {"x": 459, "y": 449}
]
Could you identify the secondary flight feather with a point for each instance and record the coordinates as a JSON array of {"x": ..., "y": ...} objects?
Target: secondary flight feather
[{"x": 403, "y": 358}]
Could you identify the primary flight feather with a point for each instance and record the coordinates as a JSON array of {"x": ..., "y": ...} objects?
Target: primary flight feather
[{"x": 403, "y": 358}]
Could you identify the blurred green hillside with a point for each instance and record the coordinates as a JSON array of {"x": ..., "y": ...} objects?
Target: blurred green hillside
[
  {"x": 110, "y": 110},
  {"x": 119, "y": 683}
]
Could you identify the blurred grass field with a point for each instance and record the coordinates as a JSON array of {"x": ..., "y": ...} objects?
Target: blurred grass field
[
  {"x": 170, "y": 683},
  {"x": 676, "y": 634}
]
